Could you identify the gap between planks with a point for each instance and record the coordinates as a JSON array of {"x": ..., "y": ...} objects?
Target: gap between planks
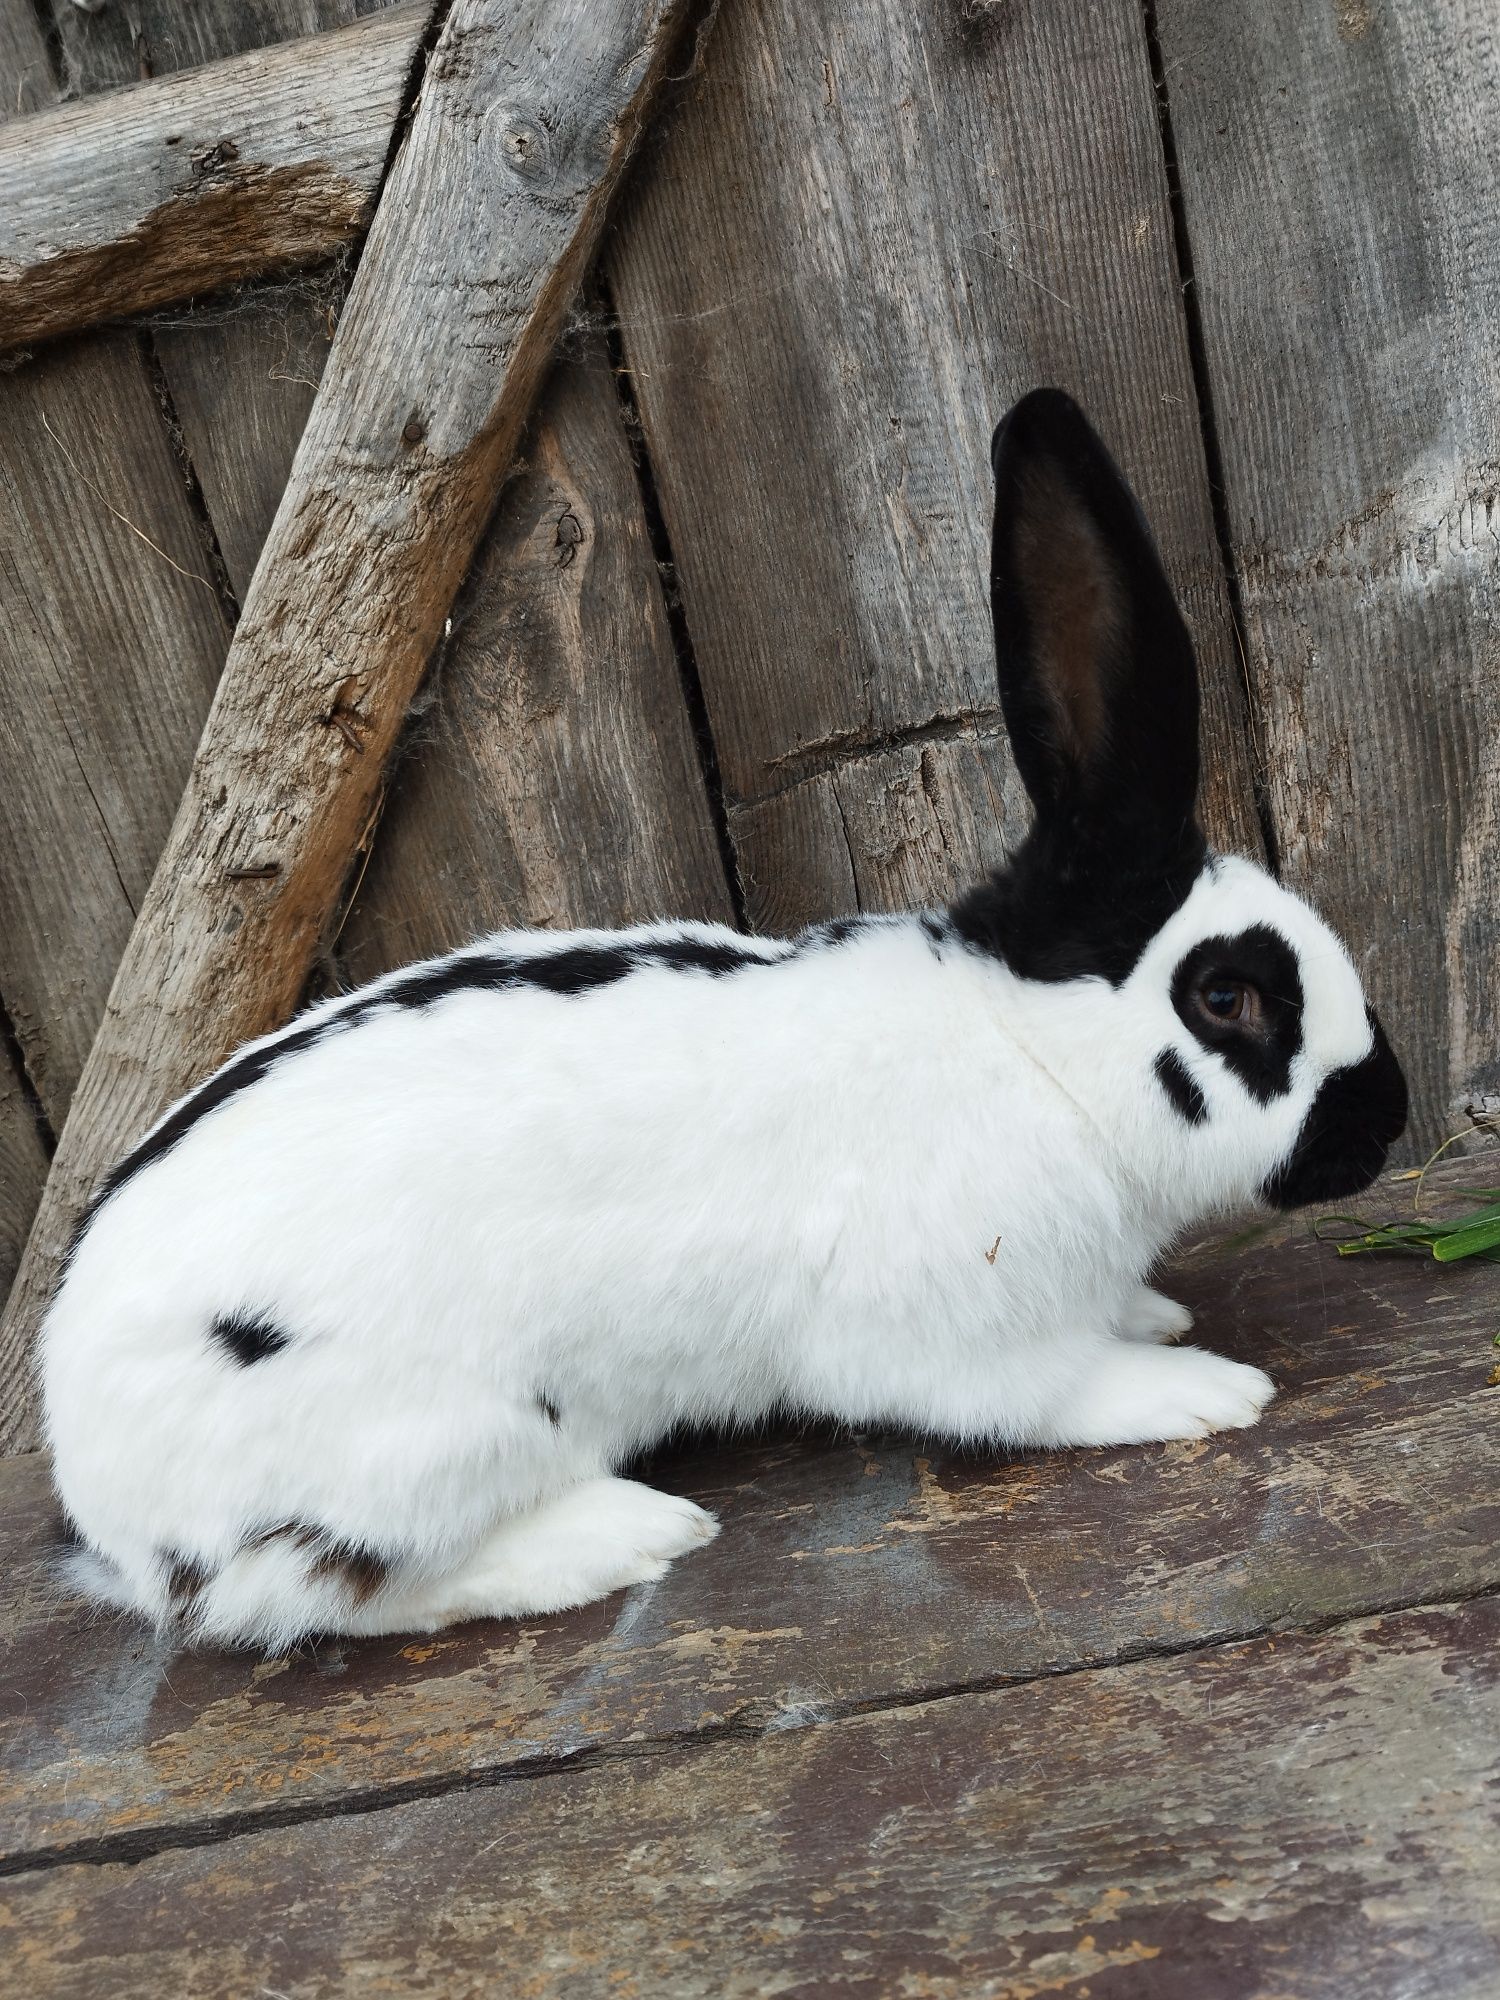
[
  {"x": 129, "y": 1849},
  {"x": 1208, "y": 425},
  {"x": 671, "y": 593}
]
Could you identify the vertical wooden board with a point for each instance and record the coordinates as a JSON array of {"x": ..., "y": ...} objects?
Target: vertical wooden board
[
  {"x": 1341, "y": 175},
  {"x": 109, "y": 654},
  {"x": 553, "y": 780},
  {"x": 25, "y": 85},
  {"x": 866, "y": 232},
  {"x": 25, "y": 72},
  {"x": 120, "y": 41},
  {"x": 23, "y": 1165},
  {"x": 242, "y": 377},
  {"x": 112, "y": 646},
  {"x": 913, "y": 823}
]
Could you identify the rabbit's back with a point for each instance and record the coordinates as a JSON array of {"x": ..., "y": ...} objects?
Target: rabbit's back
[{"x": 526, "y": 1230}]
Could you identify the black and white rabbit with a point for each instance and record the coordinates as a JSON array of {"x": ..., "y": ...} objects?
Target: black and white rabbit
[{"x": 357, "y": 1336}]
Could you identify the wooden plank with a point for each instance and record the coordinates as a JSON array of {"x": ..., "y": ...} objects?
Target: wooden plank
[
  {"x": 111, "y": 647},
  {"x": 108, "y": 46},
  {"x": 554, "y": 780},
  {"x": 1341, "y": 173},
  {"x": 144, "y": 196},
  {"x": 25, "y": 83},
  {"x": 956, "y": 204},
  {"x": 881, "y": 830},
  {"x": 24, "y": 1153},
  {"x": 850, "y": 1571},
  {"x": 241, "y": 373},
  {"x": 98, "y": 737},
  {"x": 242, "y": 377},
  {"x": 1304, "y": 1817},
  {"x": 460, "y": 295}
]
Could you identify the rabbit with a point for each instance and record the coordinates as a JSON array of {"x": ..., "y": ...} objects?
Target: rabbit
[{"x": 360, "y": 1336}]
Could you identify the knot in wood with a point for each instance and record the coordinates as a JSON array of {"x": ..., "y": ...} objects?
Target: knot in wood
[
  {"x": 545, "y": 147},
  {"x": 525, "y": 146},
  {"x": 568, "y": 539},
  {"x": 214, "y": 159}
]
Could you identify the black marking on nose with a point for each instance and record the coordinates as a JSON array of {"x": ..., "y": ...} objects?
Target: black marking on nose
[
  {"x": 1357, "y": 1116},
  {"x": 249, "y": 1337},
  {"x": 1181, "y": 1086}
]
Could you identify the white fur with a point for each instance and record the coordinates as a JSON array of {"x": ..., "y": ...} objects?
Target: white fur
[{"x": 881, "y": 1180}]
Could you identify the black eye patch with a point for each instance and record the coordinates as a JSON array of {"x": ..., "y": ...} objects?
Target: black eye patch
[{"x": 1262, "y": 1056}]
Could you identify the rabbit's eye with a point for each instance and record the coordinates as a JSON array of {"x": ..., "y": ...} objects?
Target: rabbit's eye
[{"x": 1225, "y": 999}]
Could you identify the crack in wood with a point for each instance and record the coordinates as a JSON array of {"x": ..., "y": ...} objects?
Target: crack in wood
[{"x": 143, "y": 1844}]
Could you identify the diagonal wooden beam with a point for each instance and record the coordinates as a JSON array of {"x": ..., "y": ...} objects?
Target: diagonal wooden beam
[
  {"x": 139, "y": 198},
  {"x": 490, "y": 217}
]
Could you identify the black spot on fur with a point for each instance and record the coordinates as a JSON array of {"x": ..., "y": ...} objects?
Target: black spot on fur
[
  {"x": 361, "y": 1570},
  {"x": 249, "y": 1337},
  {"x": 1356, "y": 1117},
  {"x": 187, "y": 1577},
  {"x": 937, "y": 930},
  {"x": 550, "y": 1411},
  {"x": 1262, "y": 1056},
  {"x": 1181, "y": 1086},
  {"x": 578, "y": 968},
  {"x": 698, "y": 955},
  {"x": 1059, "y": 912}
]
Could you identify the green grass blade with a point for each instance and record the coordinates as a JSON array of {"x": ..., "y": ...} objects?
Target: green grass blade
[{"x": 1469, "y": 1241}]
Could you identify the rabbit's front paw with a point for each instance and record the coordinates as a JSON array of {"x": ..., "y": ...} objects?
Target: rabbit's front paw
[
  {"x": 1151, "y": 1316},
  {"x": 1136, "y": 1394}
]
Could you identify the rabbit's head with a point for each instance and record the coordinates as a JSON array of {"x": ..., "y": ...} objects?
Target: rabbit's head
[{"x": 1242, "y": 1003}]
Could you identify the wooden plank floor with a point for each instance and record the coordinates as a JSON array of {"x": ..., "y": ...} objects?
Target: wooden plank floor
[{"x": 1174, "y": 1722}]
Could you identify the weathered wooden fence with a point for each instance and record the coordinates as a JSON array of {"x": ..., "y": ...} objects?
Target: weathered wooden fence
[{"x": 723, "y": 647}]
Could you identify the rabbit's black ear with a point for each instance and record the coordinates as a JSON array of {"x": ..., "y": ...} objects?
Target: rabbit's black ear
[{"x": 1097, "y": 677}]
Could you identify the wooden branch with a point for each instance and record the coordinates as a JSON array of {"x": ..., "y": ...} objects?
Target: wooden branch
[
  {"x": 140, "y": 197},
  {"x": 490, "y": 217}
]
